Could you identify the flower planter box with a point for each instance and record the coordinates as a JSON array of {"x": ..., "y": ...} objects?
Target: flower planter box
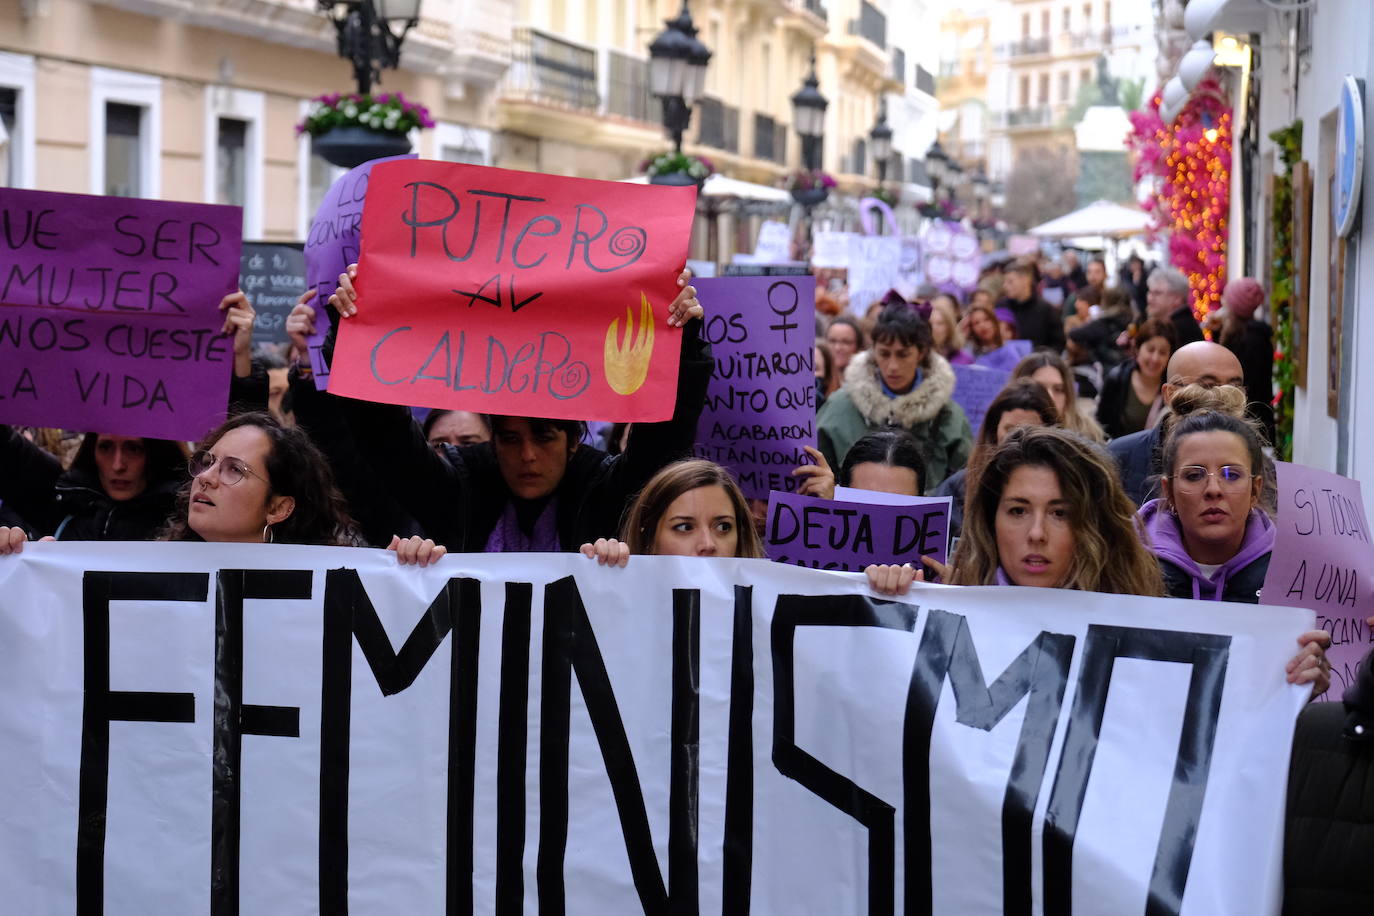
[
  {"x": 348, "y": 147},
  {"x": 675, "y": 179},
  {"x": 810, "y": 197}
]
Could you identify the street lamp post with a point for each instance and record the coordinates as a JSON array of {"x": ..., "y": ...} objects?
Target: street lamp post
[
  {"x": 808, "y": 116},
  {"x": 954, "y": 177},
  {"x": 982, "y": 189},
  {"x": 365, "y": 34},
  {"x": 880, "y": 138},
  {"x": 937, "y": 167},
  {"x": 677, "y": 72}
]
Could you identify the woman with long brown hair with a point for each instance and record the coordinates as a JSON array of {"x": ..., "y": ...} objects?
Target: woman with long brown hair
[
  {"x": 1050, "y": 370},
  {"x": 984, "y": 331},
  {"x": 1132, "y": 393},
  {"x": 691, "y": 508},
  {"x": 1047, "y": 509},
  {"x": 1023, "y": 402}
]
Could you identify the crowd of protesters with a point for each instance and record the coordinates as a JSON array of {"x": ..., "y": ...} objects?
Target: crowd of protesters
[
  {"x": 1127, "y": 454},
  {"x": 1174, "y": 503}
]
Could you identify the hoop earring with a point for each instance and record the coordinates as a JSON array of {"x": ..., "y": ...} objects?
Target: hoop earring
[{"x": 267, "y": 533}]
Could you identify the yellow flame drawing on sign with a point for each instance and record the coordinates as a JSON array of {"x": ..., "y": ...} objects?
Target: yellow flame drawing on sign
[{"x": 627, "y": 364}]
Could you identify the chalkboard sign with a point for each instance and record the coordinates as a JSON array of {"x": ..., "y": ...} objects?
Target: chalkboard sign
[{"x": 273, "y": 276}]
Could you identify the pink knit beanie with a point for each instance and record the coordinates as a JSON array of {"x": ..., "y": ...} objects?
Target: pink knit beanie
[{"x": 1242, "y": 297}]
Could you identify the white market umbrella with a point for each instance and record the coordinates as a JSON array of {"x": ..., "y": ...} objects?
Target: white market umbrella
[
  {"x": 1101, "y": 217},
  {"x": 720, "y": 186}
]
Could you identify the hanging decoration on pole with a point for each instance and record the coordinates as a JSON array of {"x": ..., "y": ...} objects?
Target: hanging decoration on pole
[{"x": 1191, "y": 158}]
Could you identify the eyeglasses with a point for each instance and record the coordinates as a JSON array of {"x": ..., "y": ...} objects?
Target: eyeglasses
[
  {"x": 1194, "y": 477},
  {"x": 231, "y": 470}
]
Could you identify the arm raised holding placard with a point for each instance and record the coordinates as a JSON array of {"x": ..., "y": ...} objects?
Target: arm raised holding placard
[{"x": 535, "y": 486}]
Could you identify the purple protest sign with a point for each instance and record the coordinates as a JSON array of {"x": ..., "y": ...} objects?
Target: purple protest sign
[
  {"x": 333, "y": 243},
  {"x": 761, "y": 404},
  {"x": 830, "y": 534},
  {"x": 109, "y": 313},
  {"x": 974, "y": 389},
  {"x": 1005, "y": 356},
  {"x": 1323, "y": 559}
]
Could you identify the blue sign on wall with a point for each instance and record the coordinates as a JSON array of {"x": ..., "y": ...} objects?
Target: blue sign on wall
[{"x": 1349, "y": 154}]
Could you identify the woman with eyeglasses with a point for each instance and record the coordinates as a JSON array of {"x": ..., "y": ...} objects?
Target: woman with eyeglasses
[
  {"x": 1211, "y": 538},
  {"x": 256, "y": 481}
]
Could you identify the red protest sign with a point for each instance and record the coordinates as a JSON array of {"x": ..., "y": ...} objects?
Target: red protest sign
[{"x": 515, "y": 293}]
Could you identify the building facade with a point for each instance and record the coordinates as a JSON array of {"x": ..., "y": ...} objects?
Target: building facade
[
  {"x": 1045, "y": 53},
  {"x": 966, "y": 60},
  {"x": 198, "y": 99}
]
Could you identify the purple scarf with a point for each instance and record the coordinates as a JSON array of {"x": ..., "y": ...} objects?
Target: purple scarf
[{"x": 507, "y": 537}]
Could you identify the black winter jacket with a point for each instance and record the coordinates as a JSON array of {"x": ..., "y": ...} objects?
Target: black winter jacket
[
  {"x": 460, "y": 500},
  {"x": 70, "y": 505},
  {"x": 1036, "y": 321},
  {"x": 954, "y": 486},
  {"x": 1329, "y": 831},
  {"x": 1186, "y": 327},
  {"x": 1243, "y": 587},
  {"x": 1111, "y": 404}
]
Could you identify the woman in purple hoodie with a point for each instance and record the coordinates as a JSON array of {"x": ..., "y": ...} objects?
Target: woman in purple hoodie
[
  {"x": 1211, "y": 538},
  {"x": 1207, "y": 530}
]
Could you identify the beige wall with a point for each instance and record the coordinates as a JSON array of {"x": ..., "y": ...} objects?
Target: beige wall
[
  {"x": 761, "y": 53},
  {"x": 68, "y": 38}
]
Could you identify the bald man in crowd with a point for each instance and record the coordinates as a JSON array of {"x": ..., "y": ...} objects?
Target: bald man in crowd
[
  {"x": 1199, "y": 363},
  {"x": 1166, "y": 299}
]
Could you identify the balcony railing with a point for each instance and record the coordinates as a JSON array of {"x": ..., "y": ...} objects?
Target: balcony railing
[
  {"x": 1037, "y": 116},
  {"x": 871, "y": 24},
  {"x": 1026, "y": 47},
  {"x": 718, "y": 125},
  {"x": 1091, "y": 40},
  {"x": 627, "y": 87},
  {"x": 549, "y": 69}
]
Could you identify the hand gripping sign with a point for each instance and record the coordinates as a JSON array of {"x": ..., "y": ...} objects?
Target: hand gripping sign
[{"x": 516, "y": 293}]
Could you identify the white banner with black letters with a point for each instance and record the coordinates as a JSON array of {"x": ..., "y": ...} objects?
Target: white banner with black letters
[{"x": 190, "y": 728}]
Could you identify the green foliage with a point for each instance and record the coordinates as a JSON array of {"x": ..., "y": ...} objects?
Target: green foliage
[
  {"x": 698, "y": 168},
  {"x": 1131, "y": 93},
  {"x": 1088, "y": 96},
  {"x": 1289, "y": 140},
  {"x": 387, "y": 112}
]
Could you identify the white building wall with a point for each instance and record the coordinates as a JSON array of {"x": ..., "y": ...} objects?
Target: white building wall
[{"x": 1341, "y": 36}]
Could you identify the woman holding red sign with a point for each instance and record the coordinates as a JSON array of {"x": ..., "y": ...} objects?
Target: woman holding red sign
[{"x": 535, "y": 486}]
